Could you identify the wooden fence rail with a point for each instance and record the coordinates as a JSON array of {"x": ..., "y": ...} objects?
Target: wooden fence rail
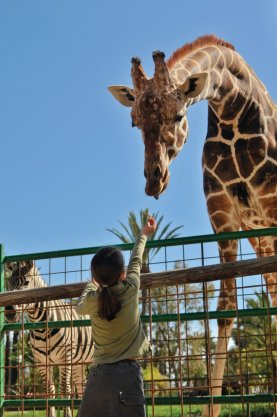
[{"x": 207, "y": 273}]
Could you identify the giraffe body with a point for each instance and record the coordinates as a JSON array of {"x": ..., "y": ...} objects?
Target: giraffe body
[{"x": 239, "y": 155}]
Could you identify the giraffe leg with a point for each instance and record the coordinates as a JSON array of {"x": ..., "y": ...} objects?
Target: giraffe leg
[
  {"x": 267, "y": 246},
  {"x": 271, "y": 283},
  {"x": 227, "y": 301}
]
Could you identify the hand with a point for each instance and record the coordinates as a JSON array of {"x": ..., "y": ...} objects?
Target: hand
[{"x": 150, "y": 227}]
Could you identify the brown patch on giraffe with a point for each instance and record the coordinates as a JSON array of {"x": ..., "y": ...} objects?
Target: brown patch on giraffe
[
  {"x": 227, "y": 296},
  {"x": 225, "y": 87},
  {"x": 226, "y": 170},
  {"x": 220, "y": 63},
  {"x": 224, "y": 322},
  {"x": 266, "y": 178},
  {"x": 235, "y": 67},
  {"x": 213, "y": 122},
  {"x": 272, "y": 153},
  {"x": 214, "y": 151},
  {"x": 227, "y": 131},
  {"x": 250, "y": 120},
  {"x": 232, "y": 106},
  {"x": 211, "y": 184},
  {"x": 240, "y": 192},
  {"x": 216, "y": 202},
  {"x": 224, "y": 245},
  {"x": 200, "y": 42},
  {"x": 226, "y": 299},
  {"x": 219, "y": 218},
  {"x": 229, "y": 57},
  {"x": 249, "y": 153}
]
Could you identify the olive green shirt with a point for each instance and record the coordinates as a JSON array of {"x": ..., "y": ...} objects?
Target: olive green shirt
[{"x": 123, "y": 337}]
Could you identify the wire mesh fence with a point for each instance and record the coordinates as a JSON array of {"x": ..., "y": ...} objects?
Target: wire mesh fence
[{"x": 46, "y": 352}]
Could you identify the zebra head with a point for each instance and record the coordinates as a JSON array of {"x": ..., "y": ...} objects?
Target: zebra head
[{"x": 20, "y": 276}]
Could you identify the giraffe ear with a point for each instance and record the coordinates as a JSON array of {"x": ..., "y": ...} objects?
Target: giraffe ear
[
  {"x": 194, "y": 85},
  {"x": 125, "y": 95}
]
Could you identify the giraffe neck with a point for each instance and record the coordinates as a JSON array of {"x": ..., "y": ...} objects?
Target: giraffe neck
[
  {"x": 239, "y": 155},
  {"x": 231, "y": 82}
]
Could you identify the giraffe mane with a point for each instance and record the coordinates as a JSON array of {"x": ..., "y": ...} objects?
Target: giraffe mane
[{"x": 198, "y": 43}]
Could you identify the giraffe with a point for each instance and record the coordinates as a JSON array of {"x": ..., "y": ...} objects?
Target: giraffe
[{"x": 239, "y": 153}]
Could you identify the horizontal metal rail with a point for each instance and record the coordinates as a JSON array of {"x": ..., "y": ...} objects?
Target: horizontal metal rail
[
  {"x": 150, "y": 244},
  {"x": 217, "y": 399},
  {"x": 155, "y": 318}
]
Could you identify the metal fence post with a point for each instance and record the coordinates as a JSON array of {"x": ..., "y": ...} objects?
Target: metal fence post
[{"x": 2, "y": 342}]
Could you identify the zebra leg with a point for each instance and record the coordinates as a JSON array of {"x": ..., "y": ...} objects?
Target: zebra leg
[
  {"x": 65, "y": 387},
  {"x": 46, "y": 373},
  {"x": 79, "y": 378}
]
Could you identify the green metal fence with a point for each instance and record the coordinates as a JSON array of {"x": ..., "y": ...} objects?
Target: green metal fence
[{"x": 180, "y": 321}]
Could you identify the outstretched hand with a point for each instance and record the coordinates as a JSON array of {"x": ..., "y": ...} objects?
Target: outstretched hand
[{"x": 150, "y": 226}]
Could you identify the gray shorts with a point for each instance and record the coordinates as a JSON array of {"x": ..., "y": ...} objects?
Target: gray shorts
[{"x": 114, "y": 390}]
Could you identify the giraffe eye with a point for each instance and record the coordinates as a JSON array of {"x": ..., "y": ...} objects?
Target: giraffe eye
[{"x": 178, "y": 118}]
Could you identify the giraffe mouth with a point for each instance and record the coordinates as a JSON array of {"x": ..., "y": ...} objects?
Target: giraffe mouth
[{"x": 159, "y": 188}]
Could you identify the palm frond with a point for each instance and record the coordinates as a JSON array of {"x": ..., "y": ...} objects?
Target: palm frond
[
  {"x": 118, "y": 234},
  {"x": 144, "y": 214},
  {"x": 133, "y": 224},
  {"x": 127, "y": 231}
]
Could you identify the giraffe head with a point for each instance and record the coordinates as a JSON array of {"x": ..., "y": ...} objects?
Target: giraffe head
[{"x": 159, "y": 111}]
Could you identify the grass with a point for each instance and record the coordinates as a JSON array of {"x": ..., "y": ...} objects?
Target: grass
[
  {"x": 32, "y": 413},
  {"x": 260, "y": 410}
]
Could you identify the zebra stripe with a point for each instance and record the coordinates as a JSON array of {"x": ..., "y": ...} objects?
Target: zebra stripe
[{"x": 67, "y": 348}]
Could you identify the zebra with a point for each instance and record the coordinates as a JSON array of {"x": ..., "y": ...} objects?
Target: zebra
[{"x": 67, "y": 348}]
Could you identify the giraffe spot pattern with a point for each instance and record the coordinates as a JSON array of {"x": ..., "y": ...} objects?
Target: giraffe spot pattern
[
  {"x": 227, "y": 131},
  {"x": 211, "y": 184},
  {"x": 226, "y": 170},
  {"x": 266, "y": 177},
  {"x": 232, "y": 106},
  {"x": 213, "y": 122},
  {"x": 249, "y": 153},
  {"x": 213, "y": 151},
  {"x": 240, "y": 191},
  {"x": 250, "y": 120},
  {"x": 217, "y": 156}
]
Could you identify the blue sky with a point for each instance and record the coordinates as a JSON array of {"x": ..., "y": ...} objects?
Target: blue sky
[{"x": 71, "y": 165}]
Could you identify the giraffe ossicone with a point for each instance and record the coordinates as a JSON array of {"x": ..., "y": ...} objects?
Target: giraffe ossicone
[{"x": 239, "y": 155}]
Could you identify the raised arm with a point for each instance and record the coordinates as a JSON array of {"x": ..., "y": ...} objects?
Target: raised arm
[{"x": 135, "y": 263}]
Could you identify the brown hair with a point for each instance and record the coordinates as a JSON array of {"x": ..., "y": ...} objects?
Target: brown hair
[{"x": 107, "y": 266}]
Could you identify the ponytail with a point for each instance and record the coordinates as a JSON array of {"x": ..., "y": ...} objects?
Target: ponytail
[
  {"x": 108, "y": 304},
  {"x": 107, "y": 266}
]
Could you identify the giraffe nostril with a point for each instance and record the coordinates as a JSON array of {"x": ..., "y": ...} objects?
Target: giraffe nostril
[
  {"x": 145, "y": 173},
  {"x": 157, "y": 172},
  {"x": 171, "y": 153}
]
